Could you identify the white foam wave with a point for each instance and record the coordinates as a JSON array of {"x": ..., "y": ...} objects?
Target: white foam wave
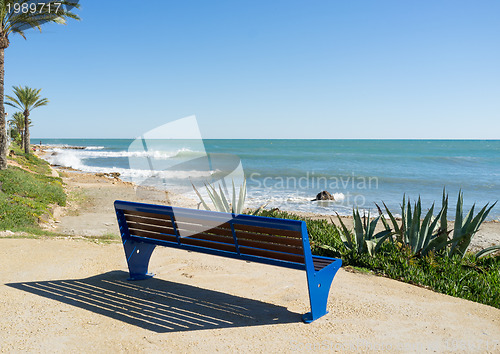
[
  {"x": 339, "y": 197},
  {"x": 75, "y": 159},
  {"x": 90, "y": 152},
  {"x": 94, "y": 148}
]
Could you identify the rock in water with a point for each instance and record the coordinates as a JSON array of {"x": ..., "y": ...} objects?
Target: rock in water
[{"x": 324, "y": 195}]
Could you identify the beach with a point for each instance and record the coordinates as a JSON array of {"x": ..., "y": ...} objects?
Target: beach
[{"x": 70, "y": 292}]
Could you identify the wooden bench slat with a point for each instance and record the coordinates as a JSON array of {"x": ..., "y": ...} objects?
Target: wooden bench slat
[
  {"x": 153, "y": 235},
  {"x": 149, "y": 221},
  {"x": 158, "y": 218},
  {"x": 147, "y": 215},
  {"x": 200, "y": 228},
  {"x": 154, "y": 228},
  {"x": 273, "y": 255},
  {"x": 269, "y": 238},
  {"x": 220, "y": 223},
  {"x": 216, "y": 238},
  {"x": 271, "y": 246},
  {"x": 320, "y": 263},
  {"x": 208, "y": 244},
  {"x": 268, "y": 231}
]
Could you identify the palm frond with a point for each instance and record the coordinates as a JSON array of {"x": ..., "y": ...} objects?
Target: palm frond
[{"x": 55, "y": 11}]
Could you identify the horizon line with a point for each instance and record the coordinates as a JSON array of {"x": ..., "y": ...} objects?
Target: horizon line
[{"x": 408, "y": 139}]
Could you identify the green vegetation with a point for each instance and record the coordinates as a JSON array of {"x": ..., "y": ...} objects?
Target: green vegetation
[
  {"x": 27, "y": 195},
  {"x": 26, "y": 99},
  {"x": 469, "y": 277},
  {"x": 431, "y": 233},
  {"x": 365, "y": 239},
  {"x": 30, "y": 161}
]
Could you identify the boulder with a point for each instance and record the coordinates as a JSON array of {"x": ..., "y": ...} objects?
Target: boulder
[{"x": 324, "y": 195}]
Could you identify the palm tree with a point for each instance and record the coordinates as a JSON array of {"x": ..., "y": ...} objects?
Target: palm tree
[
  {"x": 26, "y": 99},
  {"x": 16, "y": 16},
  {"x": 17, "y": 122}
]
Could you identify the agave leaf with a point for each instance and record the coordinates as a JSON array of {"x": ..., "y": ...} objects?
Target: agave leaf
[
  {"x": 210, "y": 194},
  {"x": 371, "y": 228},
  {"x": 409, "y": 219},
  {"x": 201, "y": 198},
  {"x": 382, "y": 217},
  {"x": 463, "y": 237},
  {"x": 224, "y": 200},
  {"x": 374, "y": 244},
  {"x": 365, "y": 221},
  {"x": 241, "y": 201},
  {"x": 469, "y": 230},
  {"x": 413, "y": 233},
  {"x": 216, "y": 199},
  {"x": 403, "y": 220},
  {"x": 345, "y": 235},
  {"x": 233, "y": 204},
  {"x": 487, "y": 251},
  {"x": 458, "y": 215},
  {"x": 479, "y": 219},
  {"x": 430, "y": 233},
  {"x": 256, "y": 211},
  {"x": 332, "y": 249},
  {"x": 424, "y": 229},
  {"x": 469, "y": 217},
  {"x": 370, "y": 246},
  {"x": 358, "y": 230},
  {"x": 438, "y": 242},
  {"x": 397, "y": 230},
  {"x": 444, "y": 209}
]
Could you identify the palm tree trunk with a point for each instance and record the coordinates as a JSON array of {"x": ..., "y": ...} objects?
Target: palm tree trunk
[
  {"x": 26, "y": 132},
  {"x": 3, "y": 132}
]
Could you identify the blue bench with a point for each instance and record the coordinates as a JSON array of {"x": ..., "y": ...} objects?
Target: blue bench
[{"x": 278, "y": 242}]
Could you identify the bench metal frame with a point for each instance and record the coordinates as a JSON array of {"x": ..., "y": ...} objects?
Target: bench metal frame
[{"x": 320, "y": 271}]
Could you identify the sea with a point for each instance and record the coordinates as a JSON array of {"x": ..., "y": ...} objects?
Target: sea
[{"x": 288, "y": 174}]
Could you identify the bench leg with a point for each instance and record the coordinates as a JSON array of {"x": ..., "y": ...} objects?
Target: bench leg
[
  {"x": 138, "y": 254},
  {"x": 319, "y": 284}
]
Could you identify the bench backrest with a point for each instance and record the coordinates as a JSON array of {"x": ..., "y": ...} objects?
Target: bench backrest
[{"x": 249, "y": 237}]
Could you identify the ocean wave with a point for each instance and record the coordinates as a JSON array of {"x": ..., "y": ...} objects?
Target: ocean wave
[
  {"x": 94, "y": 152},
  {"x": 134, "y": 175}
]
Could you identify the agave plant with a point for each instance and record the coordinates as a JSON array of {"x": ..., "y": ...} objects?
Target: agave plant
[
  {"x": 424, "y": 236},
  {"x": 465, "y": 228},
  {"x": 221, "y": 202},
  {"x": 364, "y": 238},
  {"x": 421, "y": 236}
]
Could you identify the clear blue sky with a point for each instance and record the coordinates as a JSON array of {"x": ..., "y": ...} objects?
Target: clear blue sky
[{"x": 267, "y": 69}]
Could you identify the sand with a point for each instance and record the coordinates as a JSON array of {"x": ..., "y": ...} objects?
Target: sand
[{"x": 72, "y": 294}]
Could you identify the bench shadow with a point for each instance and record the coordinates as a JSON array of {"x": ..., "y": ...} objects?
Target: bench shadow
[{"x": 159, "y": 305}]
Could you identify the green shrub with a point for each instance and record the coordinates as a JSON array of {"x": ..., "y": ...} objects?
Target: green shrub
[
  {"x": 430, "y": 234},
  {"x": 25, "y": 196}
]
